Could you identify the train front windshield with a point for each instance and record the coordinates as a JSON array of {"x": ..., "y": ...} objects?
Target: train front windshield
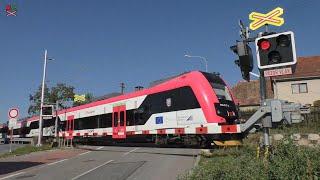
[
  {"x": 221, "y": 91},
  {"x": 226, "y": 107}
]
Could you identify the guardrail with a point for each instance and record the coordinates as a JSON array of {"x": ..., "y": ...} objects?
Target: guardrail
[{"x": 18, "y": 140}]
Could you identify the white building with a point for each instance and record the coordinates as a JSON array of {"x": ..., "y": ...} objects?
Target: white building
[{"x": 303, "y": 86}]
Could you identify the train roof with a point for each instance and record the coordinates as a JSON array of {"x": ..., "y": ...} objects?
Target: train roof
[
  {"x": 106, "y": 96},
  {"x": 156, "y": 82}
]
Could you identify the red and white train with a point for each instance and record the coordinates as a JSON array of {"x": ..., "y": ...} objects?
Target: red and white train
[{"x": 194, "y": 107}]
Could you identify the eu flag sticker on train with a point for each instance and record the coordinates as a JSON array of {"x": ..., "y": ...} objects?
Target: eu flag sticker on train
[{"x": 159, "y": 120}]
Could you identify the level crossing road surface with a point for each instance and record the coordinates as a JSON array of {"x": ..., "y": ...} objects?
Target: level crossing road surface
[
  {"x": 4, "y": 148},
  {"x": 102, "y": 162}
]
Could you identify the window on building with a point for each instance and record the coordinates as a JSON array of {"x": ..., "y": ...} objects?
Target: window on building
[
  {"x": 299, "y": 88},
  {"x": 303, "y": 88}
]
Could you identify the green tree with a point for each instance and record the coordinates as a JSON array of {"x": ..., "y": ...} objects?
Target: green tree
[
  {"x": 316, "y": 103},
  {"x": 61, "y": 93}
]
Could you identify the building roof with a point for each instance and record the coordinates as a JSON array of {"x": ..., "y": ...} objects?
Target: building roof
[
  {"x": 306, "y": 67},
  {"x": 248, "y": 93}
]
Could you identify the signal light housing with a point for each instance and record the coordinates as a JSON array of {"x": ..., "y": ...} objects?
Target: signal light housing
[
  {"x": 276, "y": 50},
  {"x": 245, "y": 61}
]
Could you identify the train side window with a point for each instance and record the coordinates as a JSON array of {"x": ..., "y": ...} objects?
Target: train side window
[
  {"x": 130, "y": 118},
  {"x": 98, "y": 119},
  {"x": 115, "y": 119},
  {"x": 77, "y": 124},
  {"x": 187, "y": 99},
  {"x": 136, "y": 117},
  {"x": 72, "y": 124},
  {"x": 122, "y": 118},
  {"x": 109, "y": 120},
  {"x": 91, "y": 122},
  {"x": 105, "y": 120},
  {"x": 34, "y": 125},
  {"x": 83, "y": 123}
]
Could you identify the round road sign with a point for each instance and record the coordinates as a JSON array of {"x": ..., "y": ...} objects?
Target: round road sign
[{"x": 13, "y": 113}]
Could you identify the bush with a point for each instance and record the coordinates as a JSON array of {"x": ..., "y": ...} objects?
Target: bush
[
  {"x": 294, "y": 162},
  {"x": 310, "y": 125},
  {"x": 316, "y": 103},
  {"x": 287, "y": 161}
]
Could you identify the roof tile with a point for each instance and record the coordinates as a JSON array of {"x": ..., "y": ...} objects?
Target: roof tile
[{"x": 306, "y": 67}]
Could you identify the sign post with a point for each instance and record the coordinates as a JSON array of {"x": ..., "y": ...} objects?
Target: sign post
[
  {"x": 259, "y": 20},
  {"x": 13, "y": 116}
]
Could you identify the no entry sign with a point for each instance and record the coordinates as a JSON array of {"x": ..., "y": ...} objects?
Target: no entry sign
[{"x": 13, "y": 113}]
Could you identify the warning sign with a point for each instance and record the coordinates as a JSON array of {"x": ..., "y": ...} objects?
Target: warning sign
[
  {"x": 277, "y": 72},
  {"x": 272, "y": 18}
]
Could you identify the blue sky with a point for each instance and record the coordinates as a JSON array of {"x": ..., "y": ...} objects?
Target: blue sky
[{"x": 98, "y": 44}]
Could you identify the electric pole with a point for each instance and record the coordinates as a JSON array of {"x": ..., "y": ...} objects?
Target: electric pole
[{"x": 122, "y": 86}]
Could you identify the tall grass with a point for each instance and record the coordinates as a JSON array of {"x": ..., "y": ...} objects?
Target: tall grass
[
  {"x": 287, "y": 161},
  {"x": 26, "y": 150}
]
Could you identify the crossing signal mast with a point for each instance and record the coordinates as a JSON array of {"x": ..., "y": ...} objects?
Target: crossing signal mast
[{"x": 276, "y": 55}]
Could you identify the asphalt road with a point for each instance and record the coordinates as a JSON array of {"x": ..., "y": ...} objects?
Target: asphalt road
[
  {"x": 4, "y": 148},
  {"x": 112, "y": 162}
]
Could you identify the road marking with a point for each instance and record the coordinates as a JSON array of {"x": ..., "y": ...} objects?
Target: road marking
[
  {"x": 57, "y": 162},
  {"x": 84, "y": 153},
  {"x": 91, "y": 170},
  {"x": 12, "y": 175},
  {"x": 130, "y": 151},
  {"x": 99, "y": 148}
]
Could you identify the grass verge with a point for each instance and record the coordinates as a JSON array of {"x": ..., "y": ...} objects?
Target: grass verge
[
  {"x": 26, "y": 150},
  {"x": 287, "y": 161}
]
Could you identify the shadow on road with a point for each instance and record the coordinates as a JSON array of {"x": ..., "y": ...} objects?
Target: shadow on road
[
  {"x": 9, "y": 167},
  {"x": 148, "y": 151},
  {"x": 150, "y": 145}
]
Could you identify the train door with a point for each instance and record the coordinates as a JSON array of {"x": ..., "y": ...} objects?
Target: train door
[
  {"x": 119, "y": 122},
  {"x": 70, "y": 127}
]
